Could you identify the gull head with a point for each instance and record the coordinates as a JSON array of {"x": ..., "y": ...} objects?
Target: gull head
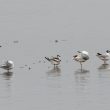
[
  {"x": 58, "y": 56},
  {"x": 108, "y": 51},
  {"x": 10, "y": 63},
  {"x": 85, "y": 52}
]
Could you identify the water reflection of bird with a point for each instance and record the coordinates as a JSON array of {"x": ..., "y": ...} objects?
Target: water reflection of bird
[
  {"x": 81, "y": 79},
  {"x": 8, "y": 65},
  {"x": 104, "y": 67},
  {"x": 81, "y": 57},
  {"x": 7, "y": 75},
  {"x": 54, "y": 72},
  {"x": 104, "y": 57},
  {"x": 54, "y": 60},
  {"x": 83, "y": 71}
]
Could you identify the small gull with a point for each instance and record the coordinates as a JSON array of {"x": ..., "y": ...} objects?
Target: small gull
[
  {"x": 54, "y": 60},
  {"x": 8, "y": 65},
  {"x": 104, "y": 57}
]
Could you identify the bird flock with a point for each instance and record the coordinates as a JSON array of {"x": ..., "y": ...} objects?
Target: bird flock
[{"x": 81, "y": 57}]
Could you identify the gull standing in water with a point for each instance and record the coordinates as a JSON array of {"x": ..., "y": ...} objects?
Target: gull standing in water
[
  {"x": 81, "y": 57},
  {"x": 104, "y": 57},
  {"x": 54, "y": 60},
  {"x": 8, "y": 65}
]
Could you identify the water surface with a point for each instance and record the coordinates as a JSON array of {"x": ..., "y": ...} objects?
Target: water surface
[{"x": 31, "y": 30}]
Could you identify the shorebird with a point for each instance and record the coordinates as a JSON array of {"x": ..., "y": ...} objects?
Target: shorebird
[
  {"x": 81, "y": 57},
  {"x": 54, "y": 60},
  {"x": 104, "y": 57},
  {"x": 8, "y": 65}
]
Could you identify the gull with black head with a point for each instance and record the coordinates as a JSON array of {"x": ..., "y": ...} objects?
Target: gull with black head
[
  {"x": 104, "y": 57},
  {"x": 54, "y": 60}
]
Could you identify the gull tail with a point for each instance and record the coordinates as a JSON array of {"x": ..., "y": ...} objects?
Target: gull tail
[{"x": 47, "y": 58}]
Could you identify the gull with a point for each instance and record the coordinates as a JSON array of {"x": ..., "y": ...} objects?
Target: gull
[
  {"x": 81, "y": 56},
  {"x": 54, "y": 60},
  {"x": 104, "y": 57},
  {"x": 8, "y": 65}
]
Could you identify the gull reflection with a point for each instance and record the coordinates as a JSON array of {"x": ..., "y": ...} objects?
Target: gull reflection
[
  {"x": 53, "y": 77},
  {"x": 79, "y": 71},
  {"x": 7, "y": 75},
  {"x": 104, "y": 67},
  {"x": 81, "y": 78},
  {"x": 5, "y": 85},
  {"x": 55, "y": 71}
]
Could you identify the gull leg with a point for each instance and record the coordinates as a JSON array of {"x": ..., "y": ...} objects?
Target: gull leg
[
  {"x": 54, "y": 66},
  {"x": 81, "y": 66},
  {"x": 105, "y": 62},
  {"x": 8, "y": 71}
]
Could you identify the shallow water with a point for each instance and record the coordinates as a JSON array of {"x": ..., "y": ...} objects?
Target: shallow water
[{"x": 31, "y": 30}]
